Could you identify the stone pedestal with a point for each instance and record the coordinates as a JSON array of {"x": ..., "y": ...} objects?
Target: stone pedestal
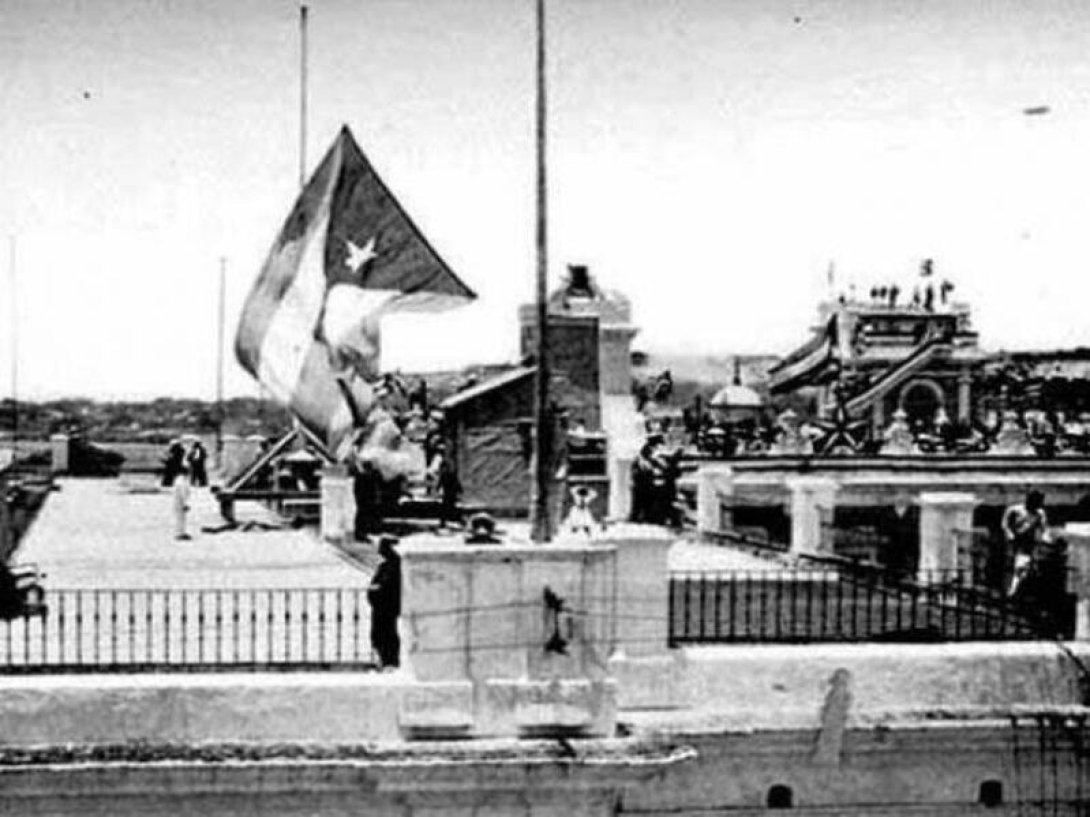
[
  {"x": 620, "y": 487},
  {"x": 338, "y": 509},
  {"x": 790, "y": 441},
  {"x": 1078, "y": 555},
  {"x": 1012, "y": 440},
  {"x": 714, "y": 495},
  {"x": 946, "y": 520},
  {"x": 487, "y": 653},
  {"x": 897, "y": 439},
  {"x": 646, "y": 670},
  {"x": 58, "y": 447},
  {"x": 812, "y": 503}
]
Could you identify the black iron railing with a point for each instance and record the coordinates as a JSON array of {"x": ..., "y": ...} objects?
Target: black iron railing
[
  {"x": 185, "y": 630},
  {"x": 820, "y": 604}
]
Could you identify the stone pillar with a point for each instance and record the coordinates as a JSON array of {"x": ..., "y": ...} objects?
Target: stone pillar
[
  {"x": 945, "y": 521},
  {"x": 812, "y": 502},
  {"x": 642, "y": 663},
  {"x": 1078, "y": 555},
  {"x": 486, "y": 654},
  {"x": 59, "y": 447},
  {"x": 965, "y": 397},
  {"x": 620, "y": 487},
  {"x": 715, "y": 483},
  {"x": 338, "y": 509}
]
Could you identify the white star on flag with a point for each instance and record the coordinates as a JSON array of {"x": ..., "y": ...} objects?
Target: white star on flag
[{"x": 358, "y": 256}]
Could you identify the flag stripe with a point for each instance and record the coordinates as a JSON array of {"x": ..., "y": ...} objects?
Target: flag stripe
[
  {"x": 282, "y": 267},
  {"x": 290, "y": 332}
]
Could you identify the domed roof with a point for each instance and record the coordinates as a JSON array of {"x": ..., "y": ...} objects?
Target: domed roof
[{"x": 736, "y": 395}]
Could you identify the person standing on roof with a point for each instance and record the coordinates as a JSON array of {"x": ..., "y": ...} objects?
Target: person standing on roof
[
  {"x": 180, "y": 494},
  {"x": 384, "y": 596},
  {"x": 1025, "y": 526}
]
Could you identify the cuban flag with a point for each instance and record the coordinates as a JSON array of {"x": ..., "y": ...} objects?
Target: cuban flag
[{"x": 347, "y": 255}]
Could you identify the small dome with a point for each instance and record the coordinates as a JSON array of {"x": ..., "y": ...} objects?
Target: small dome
[{"x": 736, "y": 396}]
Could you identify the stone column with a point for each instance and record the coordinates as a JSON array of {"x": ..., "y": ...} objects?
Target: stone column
[
  {"x": 642, "y": 663},
  {"x": 965, "y": 385},
  {"x": 1078, "y": 555},
  {"x": 620, "y": 487},
  {"x": 59, "y": 446},
  {"x": 945, "y": 520},
  {"x": 812, "y": 502},
  {"x": 338, "y": 509},
  {"x": 715, "y": 483}
]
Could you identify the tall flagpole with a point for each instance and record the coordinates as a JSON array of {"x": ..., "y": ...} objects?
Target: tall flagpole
[
  {"x": 302, "y": 96},
  {"x": 219, "y": 361},
  {"x": 14, "y": 355},
  {"x": 540, "y": 523}
]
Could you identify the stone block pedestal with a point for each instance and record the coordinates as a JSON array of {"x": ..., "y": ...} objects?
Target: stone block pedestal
[
  {"x": 715, "y": 488},
  {"x": 489, "y": 655},
  {"x": 338, "y": 509},
  {"x": 812, "y": 503},
  {"x": 946, "y": 520}
]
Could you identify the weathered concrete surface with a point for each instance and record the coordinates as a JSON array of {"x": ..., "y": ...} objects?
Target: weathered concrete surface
[
  {"x": 102, "y": 534},
  {"x": 784, "y": 687},
  {"x": 310, "y": 707},
  {"x": 531, "y": 778}
]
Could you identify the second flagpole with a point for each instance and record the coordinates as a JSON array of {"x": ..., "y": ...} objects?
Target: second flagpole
[{"x": 540, "y": 523}]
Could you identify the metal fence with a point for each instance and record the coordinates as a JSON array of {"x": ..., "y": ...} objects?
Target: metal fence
[
  {"x": 815, "y": 605},
  {"x": 191, "y": 630}
]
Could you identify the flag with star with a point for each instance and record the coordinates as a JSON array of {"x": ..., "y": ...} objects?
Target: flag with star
[{"x": 347, "y": 255}]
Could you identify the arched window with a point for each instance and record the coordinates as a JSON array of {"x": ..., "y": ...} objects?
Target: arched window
[
  {"x": 781, "y": 797},
  {"x": 991, "y": 793}
]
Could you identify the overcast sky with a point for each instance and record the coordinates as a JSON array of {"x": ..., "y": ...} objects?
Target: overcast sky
[{"x": 708, "y": 157}]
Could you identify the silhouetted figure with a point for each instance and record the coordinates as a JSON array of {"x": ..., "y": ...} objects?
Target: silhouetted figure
[
  {"x": 197, "y": 460},
  {"x": 901, "y": 525},
  {"x": 11, "y": 603},
  {"x": 449, "y": 488},
  {"x": 180, "y": 490},
  {"x": 173, "y": 463},
  {"x": 894, "y": 292},
  {"x": 644, "y": 471},
  {"x": 365, "y": 490},
  {"x": 384, "y": 596},
  {"x": 944, "y": 291},
  {"x": 665, "y": 502}
]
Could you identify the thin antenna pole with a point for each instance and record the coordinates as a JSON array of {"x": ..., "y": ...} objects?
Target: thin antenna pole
[
  {"x": 540, "y": 523},
  {"x": 302, "y": 96},
  {"x": 219, "y": 360},
  {"x": 14, "y": 355}
]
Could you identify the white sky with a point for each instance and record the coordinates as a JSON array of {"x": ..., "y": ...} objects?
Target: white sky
[{"x": 708, "y": 157}]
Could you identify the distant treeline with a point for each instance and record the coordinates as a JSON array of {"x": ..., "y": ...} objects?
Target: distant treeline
[{"x": 153, "y": 421}]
